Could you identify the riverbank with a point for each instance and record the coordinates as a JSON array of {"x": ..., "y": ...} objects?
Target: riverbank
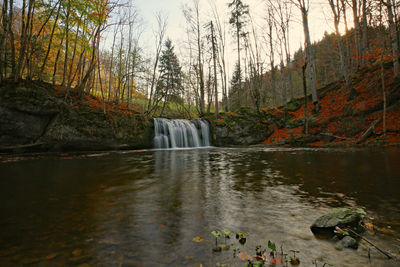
[
  {"x": 38, "y": 117},
  {"x": 341, "y": 122}
]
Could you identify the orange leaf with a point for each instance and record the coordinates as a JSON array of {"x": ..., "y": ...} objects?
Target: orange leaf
[{"x": 244, "y": 256}]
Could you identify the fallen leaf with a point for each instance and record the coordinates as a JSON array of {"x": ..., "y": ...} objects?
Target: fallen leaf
[
  {"x": 51, "y": 256},
  {"x": 77, "y": 252},
  {"x": 244, "y": 256},
  {"x": 369, "y": 226},
  {"x": 112, "y": 203},
  {"x": 162, "y": 226},
  {"x": 197, "y": 239}
]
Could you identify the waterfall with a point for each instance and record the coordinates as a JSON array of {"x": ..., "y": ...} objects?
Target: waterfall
[{"x": 181, "y": 133}]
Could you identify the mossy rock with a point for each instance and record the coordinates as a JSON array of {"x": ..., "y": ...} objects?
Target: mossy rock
[{"x": 340, "y": 217}]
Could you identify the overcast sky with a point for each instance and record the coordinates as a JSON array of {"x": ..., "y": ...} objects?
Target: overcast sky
[{"x": 319, "y": 20}]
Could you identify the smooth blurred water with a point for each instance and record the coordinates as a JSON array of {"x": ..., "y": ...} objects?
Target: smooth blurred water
[{"x": 144, "y": 208}]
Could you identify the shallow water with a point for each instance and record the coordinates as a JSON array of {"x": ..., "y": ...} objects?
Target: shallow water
[{"x": 144, "y": 208}]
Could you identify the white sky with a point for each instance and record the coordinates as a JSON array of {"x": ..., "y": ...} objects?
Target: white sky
[
  {"x": 319, "y": 22},
  {"x": 319, "y": 17}
]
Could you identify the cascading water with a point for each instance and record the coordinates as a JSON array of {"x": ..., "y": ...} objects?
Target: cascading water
[{"x": 181, "y": 133}]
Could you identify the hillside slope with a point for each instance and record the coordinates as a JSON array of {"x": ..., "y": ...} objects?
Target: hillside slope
[{"x": 341, "y": 121}]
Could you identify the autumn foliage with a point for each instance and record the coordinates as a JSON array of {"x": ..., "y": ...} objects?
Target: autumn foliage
[{"x": 342, "y": 121}]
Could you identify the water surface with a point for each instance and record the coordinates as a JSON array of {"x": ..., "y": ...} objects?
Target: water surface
[{"x": 144, "y": 208}]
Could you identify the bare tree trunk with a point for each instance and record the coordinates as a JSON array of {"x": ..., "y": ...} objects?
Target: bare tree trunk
[
  {"x": 162, "y": 25},
  {"x": 50, "y": 42},
  {"x": 24, "y": 38},
  {"x": 214, "y": 50},
  {"x": 384, "y": 97},
  {"x": 364, "y": 30},
  {"x": 3, "y": 37},
  {"x": 272, "y": 58},
  {"x": 239, "y": 90},
  {"x": 221, "y": 53},
  {"x": 11, "y": 35},
  {"x": 304, "y": 67},
  {"x": 66, "y": 42},
  {"x": 100, "y": 81},
  {"x": 335, "y": 7},
  {"x": 357, "y": 38},
  {"x": 110, "y": 77},
  {"x": 199, "y": 57},
  {"x": 56, "y": 61},
  {"x": 92, "y": 65},
  {"x": 310, "y": 55},
  {"x": 393, "y": 37},
  {"x": 73, "y": 54}
]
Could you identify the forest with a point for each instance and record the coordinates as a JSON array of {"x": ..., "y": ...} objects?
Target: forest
[{"x": 208, "y": 133}]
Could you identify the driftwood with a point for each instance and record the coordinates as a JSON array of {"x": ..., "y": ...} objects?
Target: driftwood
[
  {"x": 387, "y": 254},
  {"x": 369, "y": 131}
]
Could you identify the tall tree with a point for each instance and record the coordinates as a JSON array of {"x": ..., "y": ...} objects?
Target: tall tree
[
  {"x": 336, "y": 11},
  {"x": 304, "y": 5},
  {"x": 169, "y": 87},
  {"x": 238, "y": 21},
  {"x": 393, "y": 36}
]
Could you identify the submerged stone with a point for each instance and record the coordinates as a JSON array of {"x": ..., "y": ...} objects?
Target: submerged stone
[
  {"x": 340, "y": 217},
  {"x": 347, "y": 242}
]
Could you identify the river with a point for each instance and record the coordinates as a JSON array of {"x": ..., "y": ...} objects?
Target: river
[{"x": 143, "y": 208}]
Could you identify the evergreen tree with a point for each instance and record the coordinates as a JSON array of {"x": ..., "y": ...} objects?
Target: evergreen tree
[
  {"x": 170, "y": 83},
  {"x": 236, "y": 82},
  {"x": 238, "y": 21}
]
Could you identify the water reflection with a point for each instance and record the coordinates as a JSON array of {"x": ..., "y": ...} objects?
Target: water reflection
[{"x": 145, "y": 208}]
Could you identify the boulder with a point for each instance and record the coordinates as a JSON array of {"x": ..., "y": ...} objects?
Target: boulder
[{"x": 341, "y": 217}]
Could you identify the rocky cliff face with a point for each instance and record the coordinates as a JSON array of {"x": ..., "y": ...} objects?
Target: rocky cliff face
[
  {"x": 34, "y": 118},
  {"x": 244, "y": 127}
]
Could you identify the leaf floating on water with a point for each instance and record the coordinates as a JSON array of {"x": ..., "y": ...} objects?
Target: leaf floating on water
[
  {"x": 197, "y": 239},
  {"x": 216, "y": 234},
  {"x": 369, "y": 226},
  {"x": 77, "y": 252},
  {"x": 271, "y": 245},
  {"x": 201, "y": 217},
  {"x": 244, "y": 256},
  {"x": 112, "y": 203},
  {"x": 226, "y": 232},
  {"x": 51, "y": 256},
  {"x": 162, "y": 226}
]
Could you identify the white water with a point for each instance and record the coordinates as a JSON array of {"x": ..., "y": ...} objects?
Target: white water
[{"x": 181, "y": 133}]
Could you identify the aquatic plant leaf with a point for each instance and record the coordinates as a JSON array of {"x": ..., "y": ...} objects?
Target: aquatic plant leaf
[
  {"x": 257, "y": 263},
  {"x": 240, "y": 236},
  {"x": 294, "y": 261},
  {"x": 216, "y": 234},
  {"x": 271, "y": 245},
  {"x": 226, "y": 232},
  {"x": 197, "y": 239}
]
